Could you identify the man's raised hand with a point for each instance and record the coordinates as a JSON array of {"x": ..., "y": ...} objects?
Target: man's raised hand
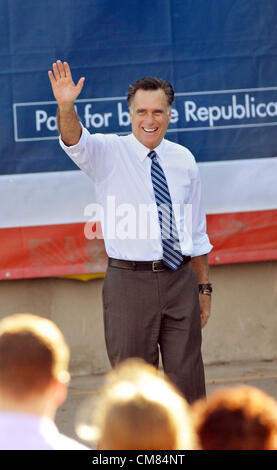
[{"x": 64, "y": 89}]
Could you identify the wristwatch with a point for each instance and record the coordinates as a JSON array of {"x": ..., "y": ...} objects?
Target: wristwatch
[{"x": 205, "y": 289}]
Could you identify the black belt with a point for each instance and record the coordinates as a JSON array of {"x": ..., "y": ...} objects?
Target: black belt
[{"x": 143, "y": 265}]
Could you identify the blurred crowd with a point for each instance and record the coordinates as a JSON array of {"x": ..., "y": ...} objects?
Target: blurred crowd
[{"x": 139, "y": 408}]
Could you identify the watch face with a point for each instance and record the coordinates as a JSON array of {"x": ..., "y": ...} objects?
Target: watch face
[{"x": 205, "y": 288}]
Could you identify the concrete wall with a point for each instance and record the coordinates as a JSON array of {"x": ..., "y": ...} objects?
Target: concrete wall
[{"x": 243, "y": 325}]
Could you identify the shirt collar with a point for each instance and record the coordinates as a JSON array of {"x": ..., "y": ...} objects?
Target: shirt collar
[{"x": 143, "y": 151}]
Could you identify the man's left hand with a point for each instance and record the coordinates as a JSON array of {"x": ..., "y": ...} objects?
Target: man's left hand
[{"x": 205, "y": 308}]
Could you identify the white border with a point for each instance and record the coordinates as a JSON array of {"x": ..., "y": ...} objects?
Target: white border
[{"x": 61, "y": 197}]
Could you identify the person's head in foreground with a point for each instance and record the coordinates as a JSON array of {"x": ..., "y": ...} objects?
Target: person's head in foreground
[
  {"x": 34, "y": 361},
  {"x": 140, "y": 410},
  {"x": 236, "y": 418}
]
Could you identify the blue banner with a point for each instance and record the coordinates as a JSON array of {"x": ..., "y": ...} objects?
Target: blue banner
[{"x": 220, "y": 56}]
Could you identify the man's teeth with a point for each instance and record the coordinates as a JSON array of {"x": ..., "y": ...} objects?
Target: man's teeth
[{"x": 150, "y": 130}]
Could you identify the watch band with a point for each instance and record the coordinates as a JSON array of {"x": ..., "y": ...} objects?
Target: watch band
[{"x": 205, "y": 288}]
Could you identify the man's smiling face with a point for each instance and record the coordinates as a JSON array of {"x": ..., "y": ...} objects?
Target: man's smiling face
[{"x": 150, "y": 116}]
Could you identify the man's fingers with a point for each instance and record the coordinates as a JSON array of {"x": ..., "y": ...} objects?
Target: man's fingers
[
  {"x": 204, "y": 319},
  {"x": 51, "y": 78},
  {"x": 67, "y": 70},
  {"x": 80, "y": 84},
  {"x": 56, "y": 71},
  {"x": 61, "y": 68}
]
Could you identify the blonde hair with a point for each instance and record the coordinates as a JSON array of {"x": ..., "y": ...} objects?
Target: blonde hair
[
  {"x": 140, "y": 410},
  {"x": 33, "y": 352}
]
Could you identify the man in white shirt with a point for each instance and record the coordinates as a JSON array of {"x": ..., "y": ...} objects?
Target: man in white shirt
[
  {"x": 151, "y": 294},
  {"x": 33, "y": 382}
]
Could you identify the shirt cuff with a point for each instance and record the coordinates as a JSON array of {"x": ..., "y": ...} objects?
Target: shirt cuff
[
  {"x": 202, "y": 247},
  {"x": 73, "y": 150}
]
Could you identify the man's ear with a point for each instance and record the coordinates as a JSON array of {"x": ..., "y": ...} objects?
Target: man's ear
[{"x": 58, "y": 392}]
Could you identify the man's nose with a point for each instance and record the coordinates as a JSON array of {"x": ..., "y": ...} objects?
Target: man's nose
[{"x": 149, "y": 119}]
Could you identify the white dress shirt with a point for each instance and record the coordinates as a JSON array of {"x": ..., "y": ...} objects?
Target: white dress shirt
[
  {"x": 120, "y": 169},
  {"x": 23, "y": 431}
]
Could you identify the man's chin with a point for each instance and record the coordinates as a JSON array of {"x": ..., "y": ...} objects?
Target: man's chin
[{"x": 150, "y": 141}]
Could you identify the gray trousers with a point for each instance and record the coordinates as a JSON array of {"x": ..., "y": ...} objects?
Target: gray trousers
[{"x": 145, "y": 311}]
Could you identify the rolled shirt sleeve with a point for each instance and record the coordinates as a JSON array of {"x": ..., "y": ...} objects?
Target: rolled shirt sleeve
[
  {"x": 200, "y": 238},
  {"x": 92, "y": 154},
  {"x": 78, "y": 152}
]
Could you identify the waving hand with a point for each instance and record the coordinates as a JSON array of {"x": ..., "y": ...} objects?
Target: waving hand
[{"x": 64, "y": 89}]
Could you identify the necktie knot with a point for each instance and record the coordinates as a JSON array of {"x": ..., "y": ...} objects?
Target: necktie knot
[{"x": 152, "y": 155}]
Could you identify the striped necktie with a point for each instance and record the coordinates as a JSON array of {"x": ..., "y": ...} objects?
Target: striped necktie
[{"x": 172, "y": 255}]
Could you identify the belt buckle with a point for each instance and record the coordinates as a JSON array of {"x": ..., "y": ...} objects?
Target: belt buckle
[{"x": 155, "y": 266}]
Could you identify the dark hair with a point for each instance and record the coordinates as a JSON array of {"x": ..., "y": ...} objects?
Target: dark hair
[
  {"x": 236, "y": 418},
  {"x": 151, "y": 83}
]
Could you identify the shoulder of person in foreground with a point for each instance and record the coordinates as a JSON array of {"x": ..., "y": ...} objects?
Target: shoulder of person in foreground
[{"x": 63, "y": 442}]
